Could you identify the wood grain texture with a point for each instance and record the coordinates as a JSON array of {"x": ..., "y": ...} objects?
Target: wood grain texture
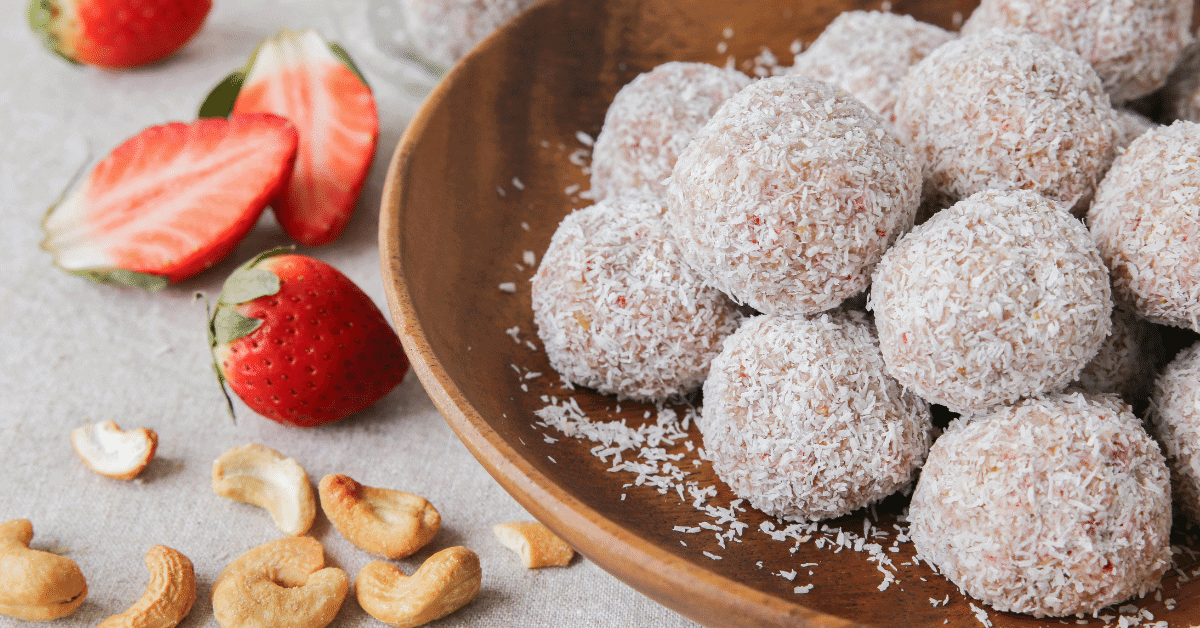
[{"x": 448, "y": 238}]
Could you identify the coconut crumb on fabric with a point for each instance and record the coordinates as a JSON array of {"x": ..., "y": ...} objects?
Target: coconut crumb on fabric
[
  {"x": 1057, "y": 505},
  {"x": 1133, "y": 46},
  {"x": 617, "y": 309},
  {"x": 1006, "y": 110},
  {"x": 867, "y": 53},
  {"x": 650, "y": 122},
  {"x": 1001, "y": 296},
  {"x": 801, "y": 421},
  {"x": 789, "y": 195},
  {"x": 1174, "y": 419},
  {"x": 1144, "y": 222}
]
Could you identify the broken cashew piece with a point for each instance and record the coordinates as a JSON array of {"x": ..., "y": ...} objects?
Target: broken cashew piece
[
  {"x": 534, "y": 543},
  {"x": 107, "y": 450},
  {"x": 36, "y": 585},
  {"x": 445, "y": 582},
  {"x": 280, "y": 584},
  {"x": 169, "y": 594},
  {"x": 389, "y": 523},
  {"x": 264, "y": 477}
]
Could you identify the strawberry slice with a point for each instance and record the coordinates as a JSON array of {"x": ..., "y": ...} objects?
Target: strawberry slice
[
  {"x": 314, "y": 84},
  {"x": 172, "y": 200}
]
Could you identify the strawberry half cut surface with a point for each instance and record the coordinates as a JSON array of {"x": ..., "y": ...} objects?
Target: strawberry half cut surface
[
  {"x": 300, "y": 343},
  {"x": 314, "y": 84},
  {"x": 172, "y": 200},
  {"x": 116, "y": 33}
]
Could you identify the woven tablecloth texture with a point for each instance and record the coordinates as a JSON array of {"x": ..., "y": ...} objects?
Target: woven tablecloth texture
[{"x": 76, "y": 352}]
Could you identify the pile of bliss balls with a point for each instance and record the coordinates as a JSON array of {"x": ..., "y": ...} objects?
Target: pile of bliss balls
[{"x": 986, "y": 221}]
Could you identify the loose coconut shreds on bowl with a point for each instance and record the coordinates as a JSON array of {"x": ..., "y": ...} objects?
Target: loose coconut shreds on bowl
[
  {"x": 867, "y": 53},
  {"x": 1002, "y": 110},
  {"x": 1127, "y": 360},
  {"x": 618, "y": 311},
  {"x": 445, "y": 30},
  {"x": 651, "y": 120},
  {"x": 1146, "y": 222},
  {"x": 1132, "y": 44},
  {"x": 800, "y": 419},
  {"x": 1174, "y": 419},
  {"x": 1053, "y": 506},
  {"x": 1001, "y": 296},
  {"x": 789, "y": 195}
]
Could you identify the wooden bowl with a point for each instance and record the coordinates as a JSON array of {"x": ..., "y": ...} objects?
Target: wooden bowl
[{"x": 455, "y": 226}]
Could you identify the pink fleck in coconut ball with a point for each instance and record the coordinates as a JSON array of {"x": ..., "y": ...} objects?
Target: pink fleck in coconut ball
[
  {"x": 1000, "y": 296},
  {"x": 867, "y": 53},
  {"x": 789, "y": 195},
  {"x": 1146, "y": 221},
  {"x": 801, "y": 421},
  {"x": 1053, "y": 506},
  {"x": 651, "y": 120},
  {"x": 618, "y": 311},
  {"x": 1013, "y": 111},
  {"x": 1132, "y": 44}
]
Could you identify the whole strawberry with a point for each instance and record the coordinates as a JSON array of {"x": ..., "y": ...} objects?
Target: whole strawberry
[
  {"x": 300, "y": 343},
  {"x": 116, "y": 33}
]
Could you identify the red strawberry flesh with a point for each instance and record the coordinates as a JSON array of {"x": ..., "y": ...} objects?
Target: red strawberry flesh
[
  {"x": 322, "y": 351},
  {"x": 118, "y": 33},
  {"x": 174, "y": 199},
  {"x": 297, "y": 75}
]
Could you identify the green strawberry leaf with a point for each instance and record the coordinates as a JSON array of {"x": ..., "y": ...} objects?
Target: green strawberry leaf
[
  {"x": 229, "y": 324},
  {"x": 219, "y": 102},
  {"x": 247, "y": 283},
  {"x": 344, "y": 57},
  {"x": 124, "y": 277}
]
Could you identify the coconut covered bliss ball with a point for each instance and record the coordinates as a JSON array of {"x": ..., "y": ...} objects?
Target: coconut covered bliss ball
[
  {"x": 618, "y": 311},
  {"x": 651, "y": 120},
  {"x": 1012, "y": 111},
  {"x": 789, "y": 195},
  {"x": 800, "y": 420},
  {"x": 445, "y": 30},
  {"x": 1146, "y": 221},
  {"x": 1174, "y": 419},
  {"x": 1000, "y": 296},
  {"x": 868, "y": 53},
  {"x": 1053, "y": 506},
  {"x": 1132, "y": 44}
]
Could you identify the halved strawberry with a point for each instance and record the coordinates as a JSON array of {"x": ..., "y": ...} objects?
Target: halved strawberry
[
  {"x": 172, "y": 200},
  {"x": 116, "y": 33},
  {"x": 314, "y": 84}
]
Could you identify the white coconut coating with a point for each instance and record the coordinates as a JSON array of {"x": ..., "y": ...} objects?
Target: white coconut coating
[
  {"x": 1146, "y": 221},
  {"x": 445, "y": 30},
  {"x": 1054, "y": 506},
  {"x": 1182, "y": 92},
  {"x": 618, "y": 311},
  {"x": 1132, "y": 44},
  {"x": 1127, "y": 360},
  {"x": 1002, "y": 110},
  {"x": 1000, "y": 296},
  {"x": 801, "y": 421},
  {"x": 867, "y": 53},
  {"x": 651, "y": 120},
  {"x": 1174, "y": 419},
  {"x": 789, "y": 195}
]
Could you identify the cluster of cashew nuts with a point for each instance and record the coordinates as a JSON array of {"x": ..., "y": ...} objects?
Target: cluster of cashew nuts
[{"x": 283, "y": 583}]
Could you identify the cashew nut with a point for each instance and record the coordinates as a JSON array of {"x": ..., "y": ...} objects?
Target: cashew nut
[
  {"x": 264, "y": 477},
  {"x": 107, "y": 450},
  {"x": 393, "y": 524},
  {"x": 36, "y": 585},
  {"x": 280, "y": 584},
  {"x": 169, "y": 594},
  {"x": 446, "y": 582},
  {"x": 534, "y": 543}
]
